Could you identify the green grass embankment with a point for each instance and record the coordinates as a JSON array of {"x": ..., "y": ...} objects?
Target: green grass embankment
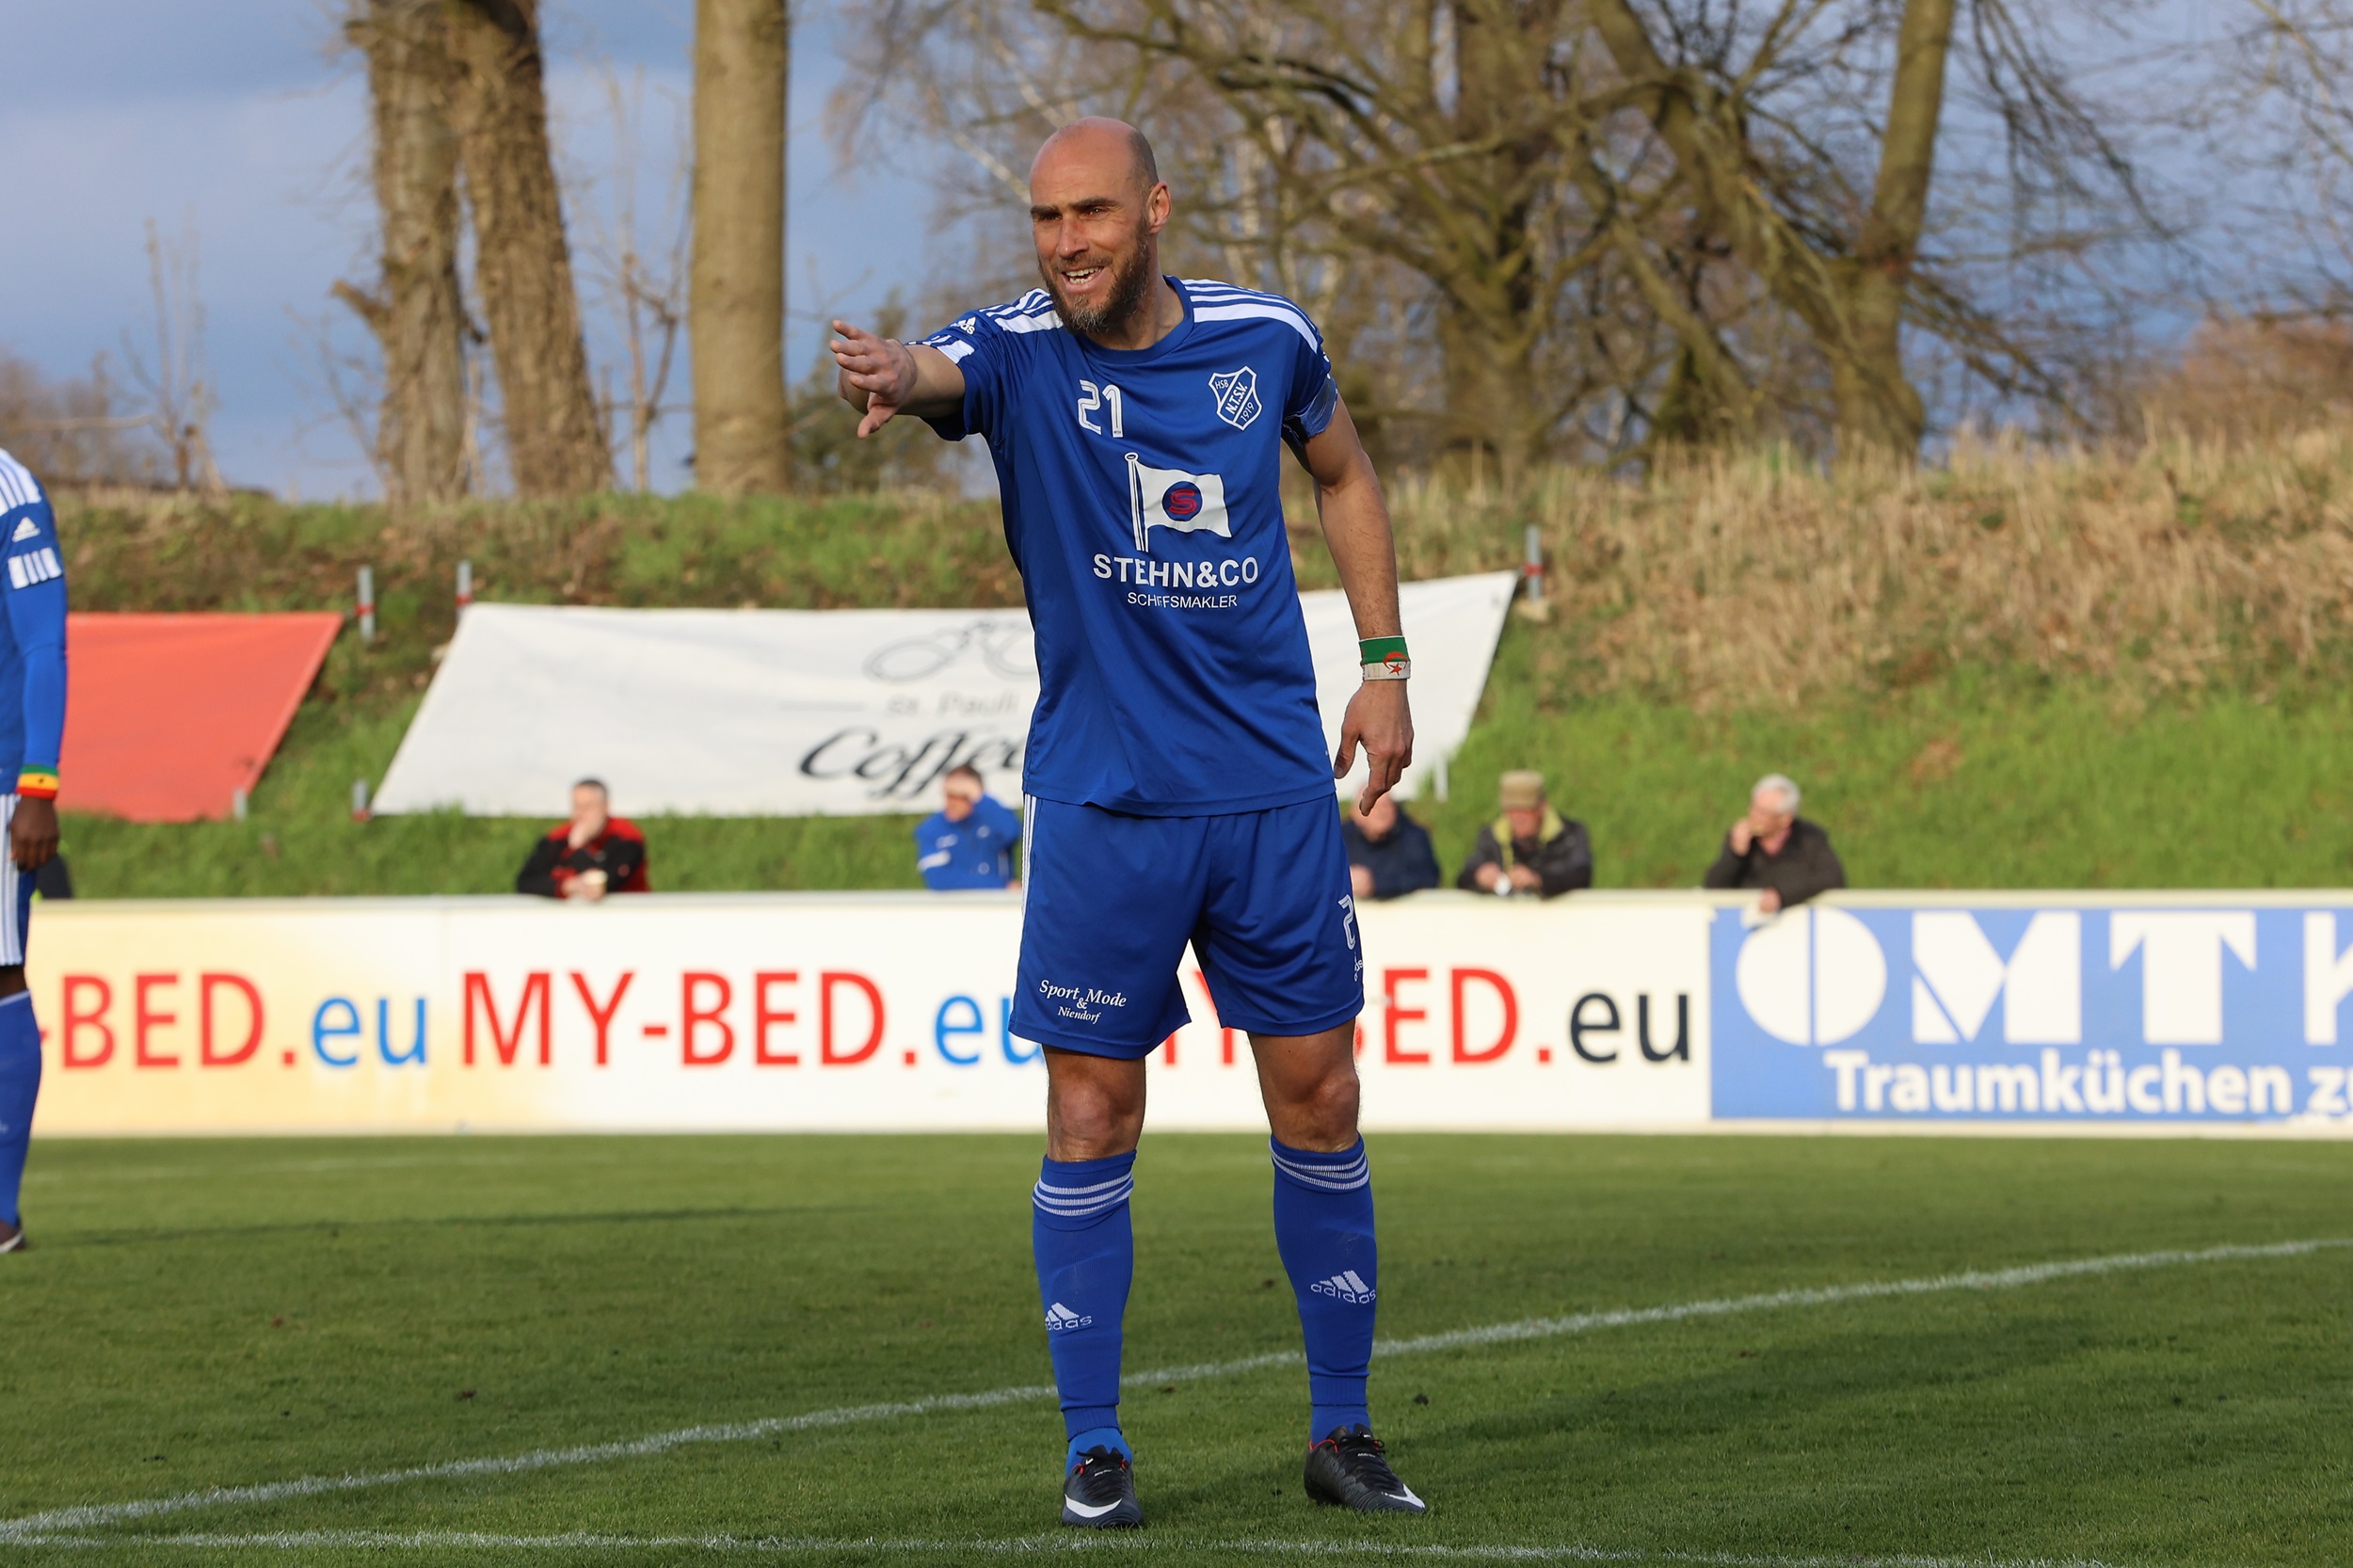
[{"x": 2104, "y": 671}]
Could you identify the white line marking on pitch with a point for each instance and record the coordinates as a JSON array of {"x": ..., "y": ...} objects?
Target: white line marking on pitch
[
  {"x": 87, "y": 1517},
  {"x": 446, "y": 1541}
]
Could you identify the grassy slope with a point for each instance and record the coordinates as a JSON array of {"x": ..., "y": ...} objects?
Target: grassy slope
[
  {"x": 2012, "y": 778},
  {"x": 202, "y": 1313}
]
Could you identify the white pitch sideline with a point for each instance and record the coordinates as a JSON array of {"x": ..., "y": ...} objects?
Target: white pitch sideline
[
  {"x": 1024, "y": 1546},
  {"x": 63, "y": 1521}
]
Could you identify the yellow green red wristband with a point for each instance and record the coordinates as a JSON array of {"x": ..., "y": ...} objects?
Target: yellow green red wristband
[{"x": 40, "y": 783}]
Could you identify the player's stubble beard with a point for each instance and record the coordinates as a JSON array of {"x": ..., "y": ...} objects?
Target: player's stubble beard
[{"x": 1131, "y": 283}]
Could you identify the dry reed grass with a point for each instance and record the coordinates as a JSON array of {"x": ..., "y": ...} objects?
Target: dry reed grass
[{"x": 1749, "y": 578}]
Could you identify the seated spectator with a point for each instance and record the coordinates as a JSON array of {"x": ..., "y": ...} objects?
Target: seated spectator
[
  {"x": 1531, "y": 848},
  {"x": 594, "y": 853},
  {"x": 1388, "y": 852},
  {"x": 968, "y": 843},
  {"x": 1775, "y": 850}
]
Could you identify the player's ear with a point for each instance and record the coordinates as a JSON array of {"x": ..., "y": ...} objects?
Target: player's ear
[{"x": 1157, "y": 205}]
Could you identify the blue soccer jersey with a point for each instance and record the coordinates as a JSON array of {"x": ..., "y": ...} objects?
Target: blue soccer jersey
[
  {"x": 1143, "y": 507},
  {"x": 32, "y": 636}
]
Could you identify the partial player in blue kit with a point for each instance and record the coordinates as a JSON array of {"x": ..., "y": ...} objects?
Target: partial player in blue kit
[
  {"x": 32, "y": 725},
  {"x": 1180, "y": 791}
]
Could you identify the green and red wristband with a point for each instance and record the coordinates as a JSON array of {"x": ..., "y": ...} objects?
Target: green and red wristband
[
  {"x": 37, "y": 783},
  {"x": 1385, "y": 658}
]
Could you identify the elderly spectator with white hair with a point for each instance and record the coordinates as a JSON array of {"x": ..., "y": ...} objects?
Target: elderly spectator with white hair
[{"x": 1775, "y": 851}]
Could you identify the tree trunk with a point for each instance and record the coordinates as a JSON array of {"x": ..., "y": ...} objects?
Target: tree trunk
[
  {"x": 1492, "y": 318},
  {"x": 1852, "y": 304},
  {"x": 1876, "y": 405},
  {"x": 416, "y": 313},
  {"x": 735, "y": 314},
  {"x": 555, "y": 440}
]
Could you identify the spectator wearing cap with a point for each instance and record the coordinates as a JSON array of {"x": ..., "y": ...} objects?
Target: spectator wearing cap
[
  {"x": 1389, "y": 853},
  {"x": 1776, "y": 852},
  {"x": 594, "y": 853},
  {"x": 968, "y": 843},
  {"x": 1528, "y": 848}
]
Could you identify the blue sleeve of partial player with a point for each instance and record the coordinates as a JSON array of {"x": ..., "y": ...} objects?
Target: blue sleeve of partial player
[
  {"x": 1314, "y": 394},
  {"x": 35, "y": 596}
]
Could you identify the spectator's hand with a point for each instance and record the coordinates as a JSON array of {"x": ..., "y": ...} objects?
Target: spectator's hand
[
  {"x": 1768, "y": 902},
  {"x": 1742, "y": 835},
  {"x": 1360, "y": 880},
  {"x": 588, "y": 886},
  {"x": 1524, "y": 880},
  {"x": 33, "y": 836},
  {"x": 1487, "y": 876}
]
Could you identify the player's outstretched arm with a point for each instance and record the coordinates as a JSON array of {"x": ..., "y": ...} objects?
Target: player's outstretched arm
[
  {"x": 1356, "y": 530},
  {"x": 883, "y": 377}
]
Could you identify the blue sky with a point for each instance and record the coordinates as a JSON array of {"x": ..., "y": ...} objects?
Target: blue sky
[{"x": 237, "y": 116}]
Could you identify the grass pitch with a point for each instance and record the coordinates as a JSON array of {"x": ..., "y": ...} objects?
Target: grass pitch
[{"x": 239, "y": 1314}]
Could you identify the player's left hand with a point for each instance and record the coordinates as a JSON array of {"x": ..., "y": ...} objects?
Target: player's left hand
[
  {"x": 1379, "y": 720},
  {"x": 33, "y": 833}
]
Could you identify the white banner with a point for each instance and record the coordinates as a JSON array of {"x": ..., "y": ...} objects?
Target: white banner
[
  {"x": 809, "y": 1012},
  {"x": 816, "y": 713}
]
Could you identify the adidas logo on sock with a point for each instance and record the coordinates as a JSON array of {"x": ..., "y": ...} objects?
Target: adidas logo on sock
[
  {"x": 1058, "y": 1316},
  {"x": 1344, "y": 1286}
]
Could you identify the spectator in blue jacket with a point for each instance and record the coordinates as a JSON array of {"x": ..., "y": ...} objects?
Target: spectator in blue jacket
[
  {"x": 1388, "y": 852},
  {"x": 969, "y": 841}
]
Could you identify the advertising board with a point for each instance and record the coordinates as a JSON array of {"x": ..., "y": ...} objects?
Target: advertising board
[
  {"x": 823, "y": 1011},
  {"x": 871, "y": 1012},
  {"x": 2209, "y": 1009}
]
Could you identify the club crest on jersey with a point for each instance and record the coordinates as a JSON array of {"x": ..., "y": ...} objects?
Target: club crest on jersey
[
  {"x": 1237, "y": 393},
  {"x": 1171, "y": 498}
]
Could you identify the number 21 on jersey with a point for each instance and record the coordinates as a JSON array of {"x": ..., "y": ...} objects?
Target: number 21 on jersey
[{"x": 1104, "y": 399}]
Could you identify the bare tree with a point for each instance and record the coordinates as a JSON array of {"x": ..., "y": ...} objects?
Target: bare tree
[
  {"x": 645, "y": 291},
  {"x": 177, "y": 391},
  {"x": 1679, "y": 216},
  {"x": 555, "y": 439},
  {"x": 73, "y": 430},
  {"x": 742, "y": 70},
  {"x": 415, "y": 310}
]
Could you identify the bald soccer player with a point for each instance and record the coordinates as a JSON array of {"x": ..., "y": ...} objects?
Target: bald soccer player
[{"x": 1178, "y": 789}]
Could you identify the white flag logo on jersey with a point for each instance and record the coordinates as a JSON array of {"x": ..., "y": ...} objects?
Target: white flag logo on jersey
[{"x": 1171, "y": 498}]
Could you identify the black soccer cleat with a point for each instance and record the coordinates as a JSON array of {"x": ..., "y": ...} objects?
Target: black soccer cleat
[
  {"x": 1100, "y": 1493},
  {"x": 1347, "y": 1470}
]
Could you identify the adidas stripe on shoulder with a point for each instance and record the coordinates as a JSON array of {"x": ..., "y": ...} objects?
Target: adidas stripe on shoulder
[{"x": 18, "y": 487}]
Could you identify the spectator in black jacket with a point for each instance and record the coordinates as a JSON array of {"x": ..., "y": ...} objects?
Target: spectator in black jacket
[
  {"x": 1776, "y": 851},
  {"x": 594, "y": 853},
  {"x": 1388, "y": 852},
  {"x": 1530, "y": 848}
]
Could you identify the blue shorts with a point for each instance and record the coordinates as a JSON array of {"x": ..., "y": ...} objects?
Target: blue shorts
[{"x": 1109, "y": 901}]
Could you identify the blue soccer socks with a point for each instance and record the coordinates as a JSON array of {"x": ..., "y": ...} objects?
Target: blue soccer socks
[
  {"x": 1086, "y": 1260},
  {"x": 1324, "y": 1228},
  {"x": 20, "y": 1085}
]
